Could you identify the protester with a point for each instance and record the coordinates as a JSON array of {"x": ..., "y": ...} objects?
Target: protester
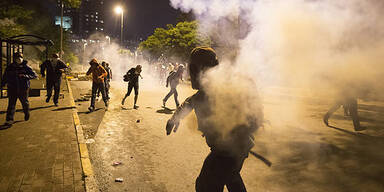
[
  {"x": 349, "y": 103},
  {"x": 53, "y": 69},
  {"x": 107, "y": 79},
  {"x": 98, "y": 74},
  {"x": 173, "y": 80},
  {"x": 223, "y": 165},
  {"x": 133, "y": 83},
  {"x": 16, "y": 77}
]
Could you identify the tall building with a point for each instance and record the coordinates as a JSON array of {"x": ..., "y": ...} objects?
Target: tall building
[
  {"x": 91, "y": 17},
  {"x": 83, "y": 21}
]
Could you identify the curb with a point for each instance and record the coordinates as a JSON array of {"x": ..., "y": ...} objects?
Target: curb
[{"x": 90, "y": 182}]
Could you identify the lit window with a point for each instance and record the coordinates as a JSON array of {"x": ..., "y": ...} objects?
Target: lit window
[
  {"x": 96, "y": 17},
  {"x": 96, "y": 28},
  {"x": 97, "y": 20},
  {"x": 102, "y": 2},
  {"x": 87, "y": 19},
  {"x": 87, "y": 15},
  {"x": 101, "y": 21},
  {"x": 86, "y": 31},
  {"x": 96, "y": 13},
  {"x": 92, "y": 16},
  {"x": 101, "y": 29}
]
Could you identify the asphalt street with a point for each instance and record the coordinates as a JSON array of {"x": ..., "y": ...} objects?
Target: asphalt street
[{"x": 306, "y": 155}]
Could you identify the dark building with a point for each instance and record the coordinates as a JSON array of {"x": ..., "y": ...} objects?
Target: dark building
[{"x": 84, "y": 21}]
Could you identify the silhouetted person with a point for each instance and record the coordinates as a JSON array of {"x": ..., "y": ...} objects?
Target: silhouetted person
[
  {"x": 98, "y": 74},
  {"x": 53, "y": 69},
  {"x": 133, "y": 83},
  {"x": 223, "y": 165},
  {"x": 349, "y": 104},
  {"x": 16, "y": 77},
  {"x": 107, "y": 79},
  {"x": 173, "y": 80}
]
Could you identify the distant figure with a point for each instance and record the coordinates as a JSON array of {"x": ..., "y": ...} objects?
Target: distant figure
[
  {"x": 173, "y": 80},
  {"x": 98, "y": 74},
  {"x": 349, "y": 104},
  {"x": 107, "y": 79},
  {"x": 16, "y": 76},
  {"x": 53, "y": 69},
  {"x": 133, "y": 83},
  {"x": 223, "y": 165}
]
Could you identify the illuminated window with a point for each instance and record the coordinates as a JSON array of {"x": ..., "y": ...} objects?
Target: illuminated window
[{"x": 101, "y": 21}]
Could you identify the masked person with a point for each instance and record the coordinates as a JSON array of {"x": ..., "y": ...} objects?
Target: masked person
[
  {"x": 223, "y": 165},
  {"x": 98, "y": 74},
  {"x": 133, "y": 83},
  {"x": 53, "y": 69},
  {"x": 16, "y": 77},
  {"x": 173, "y": 80}
]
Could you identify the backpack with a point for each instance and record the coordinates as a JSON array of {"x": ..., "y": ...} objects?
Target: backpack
[{"x": 126, "y": 78}]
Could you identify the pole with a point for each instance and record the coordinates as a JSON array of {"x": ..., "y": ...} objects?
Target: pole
[
  {"x": 122, "y": 26},
  {"x": 61, "y": 29}
]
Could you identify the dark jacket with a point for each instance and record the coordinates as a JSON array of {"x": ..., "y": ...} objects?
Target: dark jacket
[
  {"x": 109, "y": 71},
  {"x": 17, "y": 76},
  {"x": 53, "y": 73},
  {"x": 98, "y": 73},
  {"x": 133, "y": 76}
]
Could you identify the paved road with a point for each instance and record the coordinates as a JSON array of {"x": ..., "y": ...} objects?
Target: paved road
[{"x": 306, "y": 155}]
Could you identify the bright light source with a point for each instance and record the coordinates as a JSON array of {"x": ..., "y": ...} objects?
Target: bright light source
[{"x": 118, "y": 10}]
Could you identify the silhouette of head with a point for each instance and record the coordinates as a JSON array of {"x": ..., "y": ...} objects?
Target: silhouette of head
[{"x": 202, "y": 58}]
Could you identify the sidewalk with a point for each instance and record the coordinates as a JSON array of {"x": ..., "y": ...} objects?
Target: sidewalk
[{"x": 41, "y": 154}]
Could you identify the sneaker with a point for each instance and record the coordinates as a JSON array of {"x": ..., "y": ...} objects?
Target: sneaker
[
  {"x": 56, "y": 104},
  {"x": 26, "y": 117},
  {"x": 47, "y": 100},
  {"x": 122, "y": 102},
  {"x": 163, "y": 103},
  {"x": 135, "y": 107},
  {"x": 8, "y": 122},
  {"x": 91, "y": 109},
  {"x": 325, "y": 120}
]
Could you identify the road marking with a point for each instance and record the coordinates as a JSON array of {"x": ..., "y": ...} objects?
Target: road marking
[{"x": 90, "y": 183}]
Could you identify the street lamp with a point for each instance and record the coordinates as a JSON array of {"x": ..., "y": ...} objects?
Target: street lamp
[
  {"x": 119, "y": 10},
  {"x": 109, "y": 39}
]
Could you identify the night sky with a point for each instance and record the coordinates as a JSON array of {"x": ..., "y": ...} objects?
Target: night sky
[{"x": 141, "y": 17}]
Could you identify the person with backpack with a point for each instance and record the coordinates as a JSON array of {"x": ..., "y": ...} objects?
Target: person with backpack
[
  {"x": 228, "y": 152},
  {"x": 53, "y": 69},
  {"x": 173, "y": 80},
  {"x": 132, "y": 77},
  {"x": 17, "y": 77},
  {"x": 98, "y": 73}
]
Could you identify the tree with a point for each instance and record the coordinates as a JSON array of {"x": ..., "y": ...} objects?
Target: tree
[
  {"x": 11, "y": 17},
  {"x": 174, "y": 41}
]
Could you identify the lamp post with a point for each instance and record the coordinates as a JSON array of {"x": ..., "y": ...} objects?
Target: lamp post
[
  {"x": 119, "y": 10},
  {"x": 109, "y": 39}
]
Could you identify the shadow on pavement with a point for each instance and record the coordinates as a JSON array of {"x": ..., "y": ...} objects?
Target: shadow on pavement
[
  {"x": 4, "y": 126},
  {"x": 88, "y": 112},
  {"x": 63, "y": 108},
  {"x": 31, "y": 109},
  {"x": 166, "y": 110}
]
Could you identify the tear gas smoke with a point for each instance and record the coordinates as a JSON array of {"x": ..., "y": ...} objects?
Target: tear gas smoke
[{"x": 315, "y": 45}]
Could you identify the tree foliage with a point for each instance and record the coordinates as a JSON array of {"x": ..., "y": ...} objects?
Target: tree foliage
[{"x": 174, "y": 41}]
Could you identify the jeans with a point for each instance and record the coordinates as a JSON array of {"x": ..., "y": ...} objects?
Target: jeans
[
  {"x": 219, "y": 170},
  {"x": 56, "y": 86},
  {"x": 13, "y": 95},
  {"x": 175, "y": 94},
  {"x": 96, "y": 87}
]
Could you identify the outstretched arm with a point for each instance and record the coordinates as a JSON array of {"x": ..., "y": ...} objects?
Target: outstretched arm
[
  {"x": 181, "y": 112},
  {"x": 30, "y": 74}
]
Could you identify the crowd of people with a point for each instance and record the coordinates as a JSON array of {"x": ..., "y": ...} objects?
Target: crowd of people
[{"x": 221, "y": 167}]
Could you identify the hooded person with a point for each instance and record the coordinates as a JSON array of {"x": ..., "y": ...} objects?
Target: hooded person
[
  {"x": 53, "y": 70},
  {"x": 17, "y": 77},
  {"x": 223, "y": 165},
  {"x": 173, "y": 80},
  {"x": 133, "y": 75},
  {"x": 98, "y": 74}
]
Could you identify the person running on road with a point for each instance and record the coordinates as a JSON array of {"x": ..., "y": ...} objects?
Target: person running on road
[
  {"x": 16, "y": 77},
  {"x": 98, "y": 74},
  {"x": 173, "y": 80},
  {"x": 133, "y": 83},
  {"x": 53, "y": 69},
  {"x": 223, "y": 165},
  {"x": 349, "y": 104}
]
